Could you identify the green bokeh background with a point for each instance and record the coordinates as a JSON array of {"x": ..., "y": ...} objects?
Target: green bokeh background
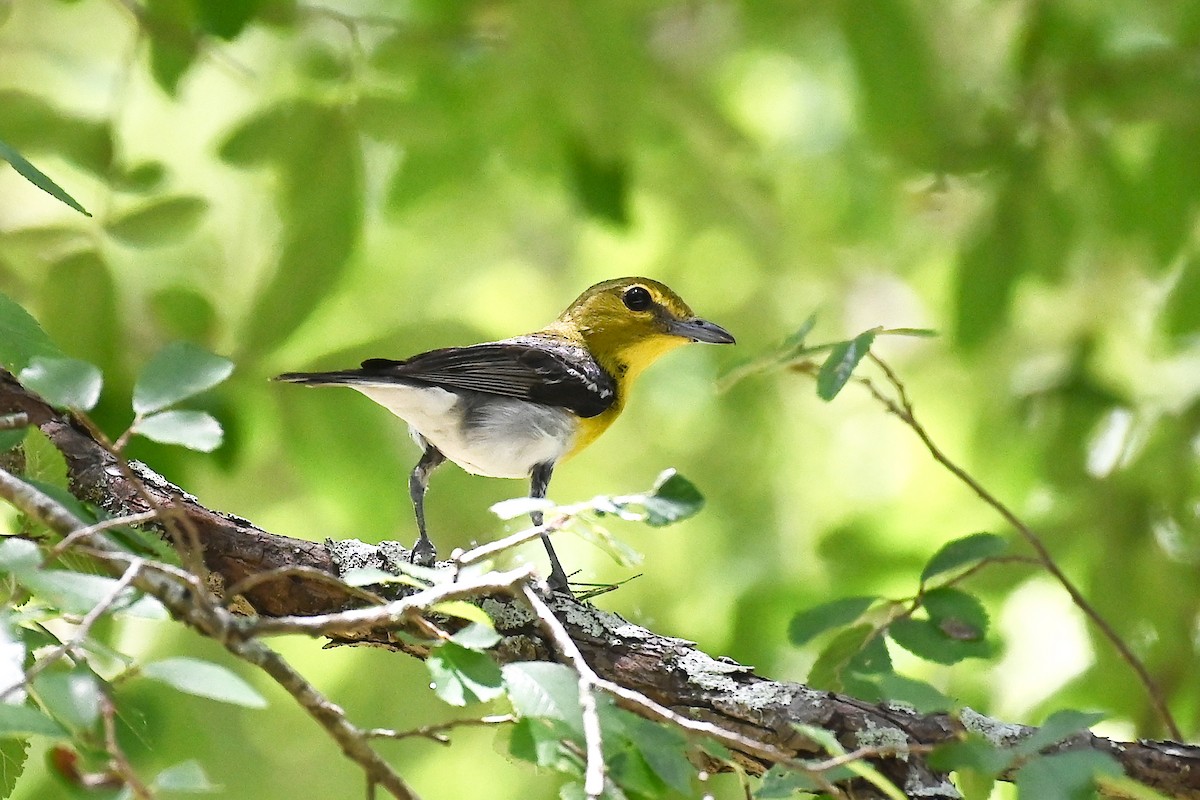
[{"x": 303, "y": 185}]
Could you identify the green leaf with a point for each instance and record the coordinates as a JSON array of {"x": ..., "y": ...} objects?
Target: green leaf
[
  {"x": 539, "y": 741},
  {"x": 177, "y": 372},
  {"x": 920, "y": 695},
  {"x": 673, "y": 498},
  {"x": 463, "y": 610},
  {"x": 195, "y": 430},
  {"x": 204, "y": 679},
  {"x": 21, "y": 337},
  {"x": 961, "y": 552},
  {"x": 477, "y": 636},
  {"x": 174, "y": 41},
  {"x": 187, "y": 777},
  {"x": 827, "y": 671},
  {"x": 159, "y": 221},
  {"x": 368, "y": 576},
  {"x": 780, "y": 783},
  {"x": 11, "y": 437},
  {"x": 1058, "y": 726},
  {"x": 78, "y": 593},
  {"x": 1065, "y": 776},
  {"x": 601, "y": 184},
  {"x": 664, "y": 750},
  {"x": 70, "y": 696},
  {"x": 925, "y": 639},
  {"x": 184, "y": 313},
  {"x": 958, "y": 615},
  {"x": 840, "y": 364},
  {"x": 18, "y": 555},
  {"x": 462, "y": 676},
  {"x": 921, "y": 333},
  {"x": 38, "y": 178},
  {"x": 812, "y": 622},
  {"x": 44, "y": 463},
  {"x": 1182, "y": 312},
  {"x": 13, "y": 754},
  {"x": 317, "y": 152},
  {"x": 64, "y": 382},
  {"x": 542, "y": 689},
  {"x": 975, "y": 754},
  {"x": 23, "y": 720}
]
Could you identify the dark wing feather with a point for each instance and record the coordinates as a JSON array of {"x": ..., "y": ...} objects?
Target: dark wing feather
[{"x": 538, "y": 369}]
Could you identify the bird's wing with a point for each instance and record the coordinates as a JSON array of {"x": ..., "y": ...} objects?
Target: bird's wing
[{"x": 538, "y": 369}]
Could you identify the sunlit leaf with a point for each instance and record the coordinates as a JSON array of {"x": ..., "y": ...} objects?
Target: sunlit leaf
[
  {"x": 463, "y": 610},
  {"x": 814, "y": 621},
  {"x": 64, "y": 382},
  {"x": 204, "y": 679},
  {"x": 195, "y": 430},
  {"x": 476, "y": 636},
  {"x": 542, "y": 689},
  {"x": 38, "y": 178},
  {"x": 462, "y": 676}
]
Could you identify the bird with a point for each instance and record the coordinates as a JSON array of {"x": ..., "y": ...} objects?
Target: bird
[{"x": 518, "y": 407}]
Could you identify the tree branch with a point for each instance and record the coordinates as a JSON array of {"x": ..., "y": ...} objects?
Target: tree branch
[{"x": 659, "y": 677}]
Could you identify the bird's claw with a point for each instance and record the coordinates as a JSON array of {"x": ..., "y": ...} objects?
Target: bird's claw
[{"x": 424, "y": 554}]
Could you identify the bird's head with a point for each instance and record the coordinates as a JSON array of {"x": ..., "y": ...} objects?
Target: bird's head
[{"x": 627, "y": 323}]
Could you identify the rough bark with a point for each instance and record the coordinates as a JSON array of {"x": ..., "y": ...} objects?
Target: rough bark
[{"x": 670, "y": 671}]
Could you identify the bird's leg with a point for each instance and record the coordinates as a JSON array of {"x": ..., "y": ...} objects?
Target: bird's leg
[
  {"x": 423, "y": 552},
  {"x": 539, "y": 480}
]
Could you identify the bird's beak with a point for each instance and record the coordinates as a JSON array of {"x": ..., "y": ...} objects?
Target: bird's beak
[{"x": 700, "y": 330}]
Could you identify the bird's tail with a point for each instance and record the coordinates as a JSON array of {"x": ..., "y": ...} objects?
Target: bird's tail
[{"x": 342, "y": 378}]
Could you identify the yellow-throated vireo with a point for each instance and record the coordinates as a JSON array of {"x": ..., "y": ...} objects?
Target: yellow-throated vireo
[{"x": 517, "y": 407}]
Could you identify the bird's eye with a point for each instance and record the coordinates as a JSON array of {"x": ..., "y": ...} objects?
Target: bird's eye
[{"x": 637, "y": 298}]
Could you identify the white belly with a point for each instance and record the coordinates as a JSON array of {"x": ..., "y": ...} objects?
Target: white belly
[{"x": 489, "y": 435}]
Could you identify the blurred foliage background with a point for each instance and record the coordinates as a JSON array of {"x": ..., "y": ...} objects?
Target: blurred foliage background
[{"x": 300, "y": 185}]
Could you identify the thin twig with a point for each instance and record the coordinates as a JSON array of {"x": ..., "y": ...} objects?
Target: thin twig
[
  {"x": 103, "y": 525},
  {"x": 299, "y": 571},
  {"x": 594, "y": 770},
  {"x": 862, "y": 753},
  {"x": 512, "y": 540},
  {"x": 11, "y": 422},
  {"x": 437, "y": 731},
  {"x": 904, "y": 411},
  {"x": 390, "y": 614},
  {"x": 120, "y": 762}
]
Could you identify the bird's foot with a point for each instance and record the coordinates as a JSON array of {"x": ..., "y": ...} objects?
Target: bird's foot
[
  {"x": 424, "y": 554},
  {"x": 557, "y": 584}
]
